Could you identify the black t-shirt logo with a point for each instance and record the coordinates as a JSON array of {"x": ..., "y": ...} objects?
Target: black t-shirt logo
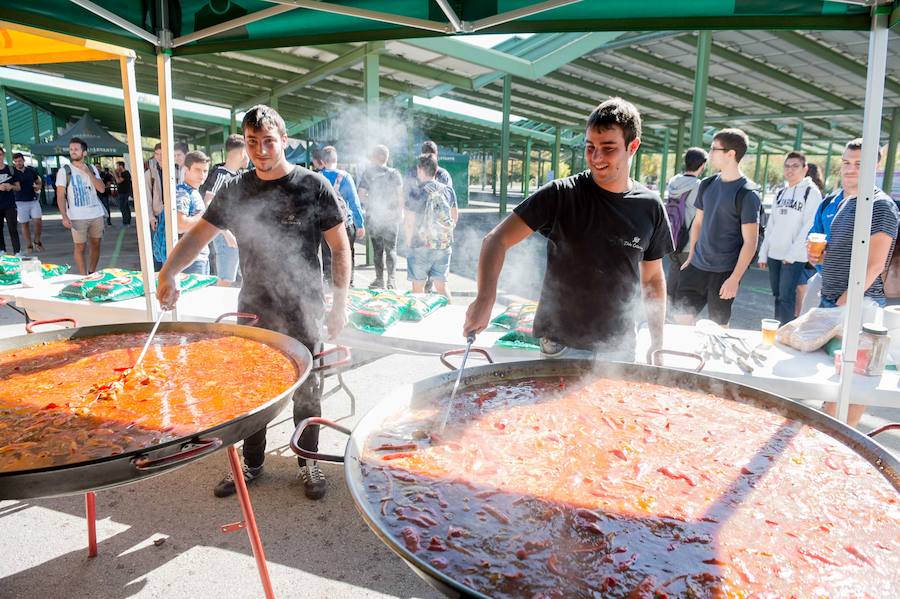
[{"x": 635, "y": 243}]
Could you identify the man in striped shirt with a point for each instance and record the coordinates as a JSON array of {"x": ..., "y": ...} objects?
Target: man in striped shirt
[
  {"x": 836, "y": 259},
  {"x": 225, "y": 250}
]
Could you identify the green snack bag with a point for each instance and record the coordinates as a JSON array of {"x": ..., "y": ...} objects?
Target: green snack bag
[
  {"x": 380, "y": 312},
  {"x": 523, "y": 334},
  {"x": 116, "y": 289},
  {"x": 356, "y": 297},
  {"x": 10, "y": 265},
  {"x": 189, "y": 282},
  {"x": 510, "y": 317},
  {"x": 79, "y": 289},
  {"x": 422, "y": 304},
  {"x": 54, "y": 270}
]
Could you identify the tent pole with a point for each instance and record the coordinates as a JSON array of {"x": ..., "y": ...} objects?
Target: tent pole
[
  {"x": 877, "y": 65},
  {"x": 701, "y": 85},
  {"x": 504, "y": 144},
  {"x": 887, "y": 184},
  {"x": 7, "y": 134},
  {"x": 141, "y": 198},
  {"x": 164, "y": 77}
]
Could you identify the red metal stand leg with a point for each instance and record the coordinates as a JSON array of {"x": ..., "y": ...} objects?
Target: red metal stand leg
[
  {"x": 250, "y": 521},
  {"x": 91, "y": 510}
]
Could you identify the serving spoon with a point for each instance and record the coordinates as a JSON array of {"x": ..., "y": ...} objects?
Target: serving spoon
[{"x": 470, "y": 339}]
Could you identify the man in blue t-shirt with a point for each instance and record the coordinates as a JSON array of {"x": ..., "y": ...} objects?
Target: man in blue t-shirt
[
  {"x": 343, "y": 184},
  {"x": 723, "y": 236}
]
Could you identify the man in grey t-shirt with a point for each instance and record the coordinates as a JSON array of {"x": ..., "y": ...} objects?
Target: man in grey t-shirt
[{"x": 723, "y": 236}]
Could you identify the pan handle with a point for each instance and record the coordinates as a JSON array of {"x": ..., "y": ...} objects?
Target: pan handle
[
  {"x": 253, "y": 317},
  {"x": 311, "y": 455},
  {"x": 459, "y": 352},
  {"x": 188, "y": 452},
  {"x": 29, "y": 327},
  {"x": 656, "y": 361},
  {"x": 885, "y": 428},
  {"x": 338, "y": 349}
]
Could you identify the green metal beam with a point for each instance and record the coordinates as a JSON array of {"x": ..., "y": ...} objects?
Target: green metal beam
[
  {"x": 833, "y": 57},
  {"x": 891, "y": 158},
  {"x": 798, "y": 140},
  {"x": 556, "y": 152},
  {"x": 4, "y": 121},
  {"x": 759, "y": 151},
  {"x": 701, "y": 85},
  {"x": 526, "y": 168},
  {"x": 504, "y": 145},
  {"x": 664, "y": 163},
  {"x": 679, "y": 143},
  {"x": 827, "y": 170}
]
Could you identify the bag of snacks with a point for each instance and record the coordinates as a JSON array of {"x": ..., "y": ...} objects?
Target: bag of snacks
[
  {"x": 9, "y": 270},
  {"x": 422, "y": 304},
  {"x": 77, "y": 290},
  {"x": 54, "y": 270},
  {"x": 509, "y": 317},
  {"x": 812, "y": 330},
  {"x": 187, "y": 282},
  {"x": 116, "y": 289},
  {"x": 357, "y": 297},
  {"x": 523, "y": 333},
  {"x": 380, "y": 312}
]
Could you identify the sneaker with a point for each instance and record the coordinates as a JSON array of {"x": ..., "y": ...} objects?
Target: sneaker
[
  {"x": 392, "y": 284},
  {"x": 226, "y": 488},
  {"x": 377, "y": 284},
  {"x": 313, "y": 480}
]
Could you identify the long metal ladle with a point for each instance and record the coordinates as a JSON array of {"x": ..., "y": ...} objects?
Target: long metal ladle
[{"x": 446, "y": 415}]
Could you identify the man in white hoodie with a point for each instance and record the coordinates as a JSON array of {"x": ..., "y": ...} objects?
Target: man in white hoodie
[{"x": 783, "y": 250}]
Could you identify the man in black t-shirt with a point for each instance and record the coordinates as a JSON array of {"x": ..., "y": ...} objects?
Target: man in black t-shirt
[
  {"x": 9, "y": 185},
  {"x": 607, "y": 235},
  {"x": 279, "y": 214},
  {"x": 28, "y": 208}
]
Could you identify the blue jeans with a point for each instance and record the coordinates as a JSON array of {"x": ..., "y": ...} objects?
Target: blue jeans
[
  {"x": 226, "y": 259},
  {"x": 784, "y": 279},
  {"x": 425, "y": 263},
  {"x": 828, "y": 303},
  {"x": 198, "y": 267}
]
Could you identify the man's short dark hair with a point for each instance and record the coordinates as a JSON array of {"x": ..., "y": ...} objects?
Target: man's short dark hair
[
  {"x": 617, "y": 112},
  {"x": 329, "y": 154},
  {"x": 263, "y": 117},
  {"x": 428, "y": 164},
  {"x": 195, "y": 157},
  {"x": 429, "y": 147},
  {"x": 18, "y": 155},
  {"x": 694, "y": 158},
  {"x": 158, "y": 146},
  {"x": 796, "y": 156},
  {"x": 79, "y": 141},
  {"x": 235, "y": 141},
  {"x": 316, "y": 155},
  {"x": 856, "y": 144},
  {"x": 733, "y": 139},
  {"x": 120, "y": 163},
  {"x": 181, "y": 146}
]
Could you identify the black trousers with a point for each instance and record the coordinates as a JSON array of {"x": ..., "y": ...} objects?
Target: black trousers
[
  {"x": 307, "y": 403},
  {"x": 326, "y": 256},
  {"x": 384, "y": 246},
  {"x": 125, "y": 208},
  {"x": 8, "y": 215},
  {"x": 104, "y": 199}
]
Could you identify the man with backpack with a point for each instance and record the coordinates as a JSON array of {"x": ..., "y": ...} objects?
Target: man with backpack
[
  {"x": 681, "y": 192},
  {"x": 431, "y": 216},
  {"x": 724, "y": 234},
  {"x": 345, "y": 188},
  {"x": 783, "y": 250},
  {"x": 77, "y": 186},
  {"x": 381, "y": 189}
]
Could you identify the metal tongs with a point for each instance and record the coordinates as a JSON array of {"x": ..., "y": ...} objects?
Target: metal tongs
[
  {"x": 719, "y": 347},
  {"x": 470, "y": 339}
]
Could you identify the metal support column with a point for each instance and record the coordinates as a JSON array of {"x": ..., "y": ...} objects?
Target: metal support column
[
  {"x": 664, "y": 163},
  {"x": 701, "y": 81},
  {"x": 679, "y": 144},
  {"x": 166, "y": 138},
  {"x": 572, "y": 164},
  {"x": 526, "y": 168},
  {"x": 40, "y": 159},
  {"x": 637, "y": 164},
  {"x": 556, "y": 149},
  {"x": 877, "y": 67},
  {"x": 759, "y": 150},
  {"x": 798, "y": 140},
  {"x": 890, "y": 160},
  {"x": 233, "y": 125},
  {"x": 373, "y": 109},
  {"x": 139, "y": 191},
  {"x": 494, "y": 170},
  {"x": 765, "y": 180},
  {"x": 4, "y": 120},
  {"x": 483, "y": 168},
  {"x": 504, "y": 144},
  {"x": 827, "y": 170},
  {"x": 410, "y": 135}
]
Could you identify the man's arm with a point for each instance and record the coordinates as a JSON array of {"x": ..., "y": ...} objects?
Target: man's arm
[
  {"x": 653, "y": 290},
  {"x": 181, "y": 256},
  {"x": 695, "y": 235},
  {"x": 750, "y": 233},
  {"x": 61, "y": 204},
  {"x": 879, "y": 247},
  {"x": 336, "y": 238},
  {"x": 493, "y": 253}
]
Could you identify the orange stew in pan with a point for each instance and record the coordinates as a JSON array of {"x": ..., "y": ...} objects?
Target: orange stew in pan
[
  {"x": 76, "y": 400},
  {"x": 622, "y": 489}
]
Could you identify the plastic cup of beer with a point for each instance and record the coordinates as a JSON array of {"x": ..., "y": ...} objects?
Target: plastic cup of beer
[
  {"x": 769, "y": 327},
  {"x": 816, "y": 243}
]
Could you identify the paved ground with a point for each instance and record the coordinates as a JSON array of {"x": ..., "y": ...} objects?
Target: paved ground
[{"x": 160, "y": 538}]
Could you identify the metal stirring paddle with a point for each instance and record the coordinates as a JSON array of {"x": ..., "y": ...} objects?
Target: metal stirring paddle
[
  {"x": 150, "y": 338},
  {"x": 446, "y": 415}
]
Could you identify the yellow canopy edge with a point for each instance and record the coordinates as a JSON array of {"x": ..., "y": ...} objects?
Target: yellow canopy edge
[{"x": 20, "y": 45}]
